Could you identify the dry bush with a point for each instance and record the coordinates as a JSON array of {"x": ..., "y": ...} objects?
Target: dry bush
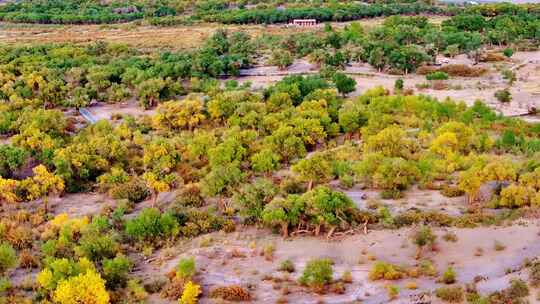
[
  {"x": 19, "y": 236},
  {"x": 27, "y": 259},
  {"x": 386, "y": 271},
  {"x": 451, "y": 191},
  {"x": 439, "y": 85},
  {"x": 453, "y": 70},
  {"x": 230, "y": 293},
  {"x": 173, "y": 289},
  {"x": 337, "y": 288},
  {"x": 493, "y": 57}
]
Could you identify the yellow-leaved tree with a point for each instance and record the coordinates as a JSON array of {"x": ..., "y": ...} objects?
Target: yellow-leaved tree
[
  {"x": 160, "y": 160},
  {"x": 190, "y": 294},
  {"x": 8, "y": 190},
  {"x": 184, "y": 114},
  {"x": 42, "y": 184},
  {"x": 85, "y": 288}
]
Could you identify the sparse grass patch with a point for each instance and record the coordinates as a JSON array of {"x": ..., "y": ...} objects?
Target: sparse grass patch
[{"x": 452, "y": 294}]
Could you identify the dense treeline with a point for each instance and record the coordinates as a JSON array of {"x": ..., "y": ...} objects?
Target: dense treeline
[
  {"x": 73, "y": 12},
  {"x": 342, "y": 12}
]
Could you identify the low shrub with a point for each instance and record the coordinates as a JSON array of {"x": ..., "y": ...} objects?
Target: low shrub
[
  {"x": 422, "y": 237},
  {"x": 190, "y": 294},
  {"x": 386, "y": 271},
  {"x": 96, "y": 247},
  {"x": 534, "y": 274},
  {"x": 517, "y": 289},
  {"x": 134, "y": 190},
  {"x": 493, "y": 57},
  {"x": 459, "y": 70},
  {"x": 115, "y": 271},
  {"x": 449, "y": 276},
  {"x": 287, "y": 266},
  {"x": 393, "y": 291},
  {"x": 8, "y": 257},
  {"x": 151, "y": 224},
  {"x": 438, "y": 75},
  {"x": 453, "y": 294},
  {"x": 230, "y": 293},
  {"x": 451, "y": 191},
  {"x": 318, "y": 272},
  {"x": 190, "y": 196},
  {"x": 186, "y": 268},
  {"x": 503, "y": 96}
]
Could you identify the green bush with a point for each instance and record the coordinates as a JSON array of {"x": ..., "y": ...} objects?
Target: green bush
[
  {"x": 439, "y": 75},
  {"x": 190, "y": 196},
  {"x": 423, "y": 237},
  {"x": 449, "y": 276},
  {"x": 287, "y": 266},
  {"x": 398, "y": 84},
  {"x": 151, "y": 224},
  {"x": 503, "y": 95},
  {"x": 186, "y": 268},
  {"x": 115, "y": 271},
  {"x": 517, "y": 289},
  {"x": 534, "y": 274},
  {"x": 8, "y": 257},
  {"x": 134, "y": 190},
  {"x": 97, "y": 247},
  {"x": 318, "y": 273},
  {"x": 452, "y": 294}
]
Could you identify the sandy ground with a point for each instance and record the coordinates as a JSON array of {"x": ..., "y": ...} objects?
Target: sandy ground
[
  {"x": 427, "y": 200},
  {"x": 525, "y": 91},
  {"x": 235, "y": 259},
  {"x": 108, "y": 111}
]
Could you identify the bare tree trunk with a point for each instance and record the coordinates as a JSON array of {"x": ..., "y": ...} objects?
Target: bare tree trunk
[
  {"x": 285, "y": 230},
  {"x": 330, "y": 232},
  {"x": 46, "y": 205},
  {"x": 154, "y": 199}
]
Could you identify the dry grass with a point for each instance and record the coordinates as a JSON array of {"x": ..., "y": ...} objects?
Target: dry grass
[
  {"x": 179, "y": 37},
  {"x": 144, "y": 36}
]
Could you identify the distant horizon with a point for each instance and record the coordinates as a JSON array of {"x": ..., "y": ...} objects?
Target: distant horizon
[{"x": 487, "y": 1}]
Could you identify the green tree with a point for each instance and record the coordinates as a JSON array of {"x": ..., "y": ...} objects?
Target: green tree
[
  {"x": 344, "y": 83},
  {"x": 395, "y": 175},
  {"x": 313, "y": 169},
  {"x": 11, "y": 158},
  {"x": 284, "y": 212},
  {"x": 281, "y": 58},
  {"x": 251, "y": 198},
  {"x": 470, "y": 182},
  {"x": 326, "y": 208}
]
